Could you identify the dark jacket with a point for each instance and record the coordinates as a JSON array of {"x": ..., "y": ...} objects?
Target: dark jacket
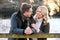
[
  {"x": 19, "y": 24},
  {"x": 44, "y": 28}
]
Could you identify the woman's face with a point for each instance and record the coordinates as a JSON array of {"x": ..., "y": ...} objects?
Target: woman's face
[{"x": 38, "y": 12}]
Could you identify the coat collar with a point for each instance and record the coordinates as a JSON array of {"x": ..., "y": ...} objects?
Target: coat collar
[{"x": 20, "y": 16}]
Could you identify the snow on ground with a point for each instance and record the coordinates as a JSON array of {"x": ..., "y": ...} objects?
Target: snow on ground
[
  {"x": 53, "y": 38},
  {"x": 5, "y": 25},
  {"x": 54, "y": 27}
]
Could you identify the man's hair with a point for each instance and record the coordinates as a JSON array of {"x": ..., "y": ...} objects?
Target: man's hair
[{"x": 25, "y": 7}]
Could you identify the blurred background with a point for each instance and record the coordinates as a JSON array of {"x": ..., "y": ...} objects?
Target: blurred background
[{"x": 8, "y": 7}]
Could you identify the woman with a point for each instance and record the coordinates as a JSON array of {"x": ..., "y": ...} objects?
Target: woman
[{"x": 41, "y": 19}]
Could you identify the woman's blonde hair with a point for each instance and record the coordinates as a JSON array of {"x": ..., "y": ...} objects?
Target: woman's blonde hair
[{"x": 44, "y": 12}]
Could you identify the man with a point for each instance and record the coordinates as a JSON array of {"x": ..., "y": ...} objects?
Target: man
[{"x": 19, "y": 22}]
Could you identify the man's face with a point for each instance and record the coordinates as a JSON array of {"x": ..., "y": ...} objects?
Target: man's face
[{"x": 28, "y": 13}]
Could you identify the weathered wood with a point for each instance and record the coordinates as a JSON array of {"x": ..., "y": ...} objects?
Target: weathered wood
[{"x": 30, "y": 36}]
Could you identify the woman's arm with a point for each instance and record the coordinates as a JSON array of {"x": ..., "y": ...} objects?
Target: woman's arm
[{"x": 34, "y": 25}]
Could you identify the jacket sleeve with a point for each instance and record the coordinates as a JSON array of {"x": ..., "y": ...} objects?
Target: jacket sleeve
[
  {"x": 14, "y": 28},
  {"x": 33, "y": 30},
  {"x": 46, "y": 28},
  {"x": 32, "y": 22}
]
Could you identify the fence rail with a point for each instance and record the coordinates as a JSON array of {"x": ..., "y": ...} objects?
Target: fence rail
[{"x": 39, "y": 35}]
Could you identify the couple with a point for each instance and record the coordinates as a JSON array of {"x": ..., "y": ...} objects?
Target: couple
[{"x": 22, "y": 22}]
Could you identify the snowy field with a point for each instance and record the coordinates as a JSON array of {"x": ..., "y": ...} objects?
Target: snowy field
[
  {"x": 54, "y": 27},
  {"x": 5, "y": 25}
]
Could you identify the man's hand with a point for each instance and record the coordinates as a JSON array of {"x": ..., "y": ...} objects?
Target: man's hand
[{"x": 28, "y": 30}]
